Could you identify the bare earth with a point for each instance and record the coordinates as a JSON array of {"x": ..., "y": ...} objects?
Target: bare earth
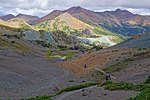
[{"x": 24, "y": 76}]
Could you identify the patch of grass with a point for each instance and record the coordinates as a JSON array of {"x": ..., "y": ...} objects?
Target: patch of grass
[
  {"x": 118, "y": 86},
  {"x": 140, "y": 49},
  {"x": 71, "y": 88},
  {"x": 144, "y": 95},
  {"x": 147, "y": 80},
  {"x": 68, "y": 55},
  {"x": 16, "y": 46},
  {"x": 109, "y": 85},
  {"x": 97, "y": 76},
  {"x": 48, "y": 54},
  {"x": 100, "y": 30},
  {"x": 112, "y": 86},
  {"x": 117, "y": 39},
  {"x": 117, "y": 67}
]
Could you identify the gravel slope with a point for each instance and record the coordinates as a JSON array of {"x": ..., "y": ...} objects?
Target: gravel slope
[{"x": 25, "y": 77}]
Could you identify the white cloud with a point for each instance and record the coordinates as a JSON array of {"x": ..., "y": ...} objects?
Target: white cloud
[
  {"x": 15, "y": 11},
  {"x": 47, "y": 4}
]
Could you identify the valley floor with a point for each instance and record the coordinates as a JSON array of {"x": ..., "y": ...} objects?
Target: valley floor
[{"x": 23, "y": 76}]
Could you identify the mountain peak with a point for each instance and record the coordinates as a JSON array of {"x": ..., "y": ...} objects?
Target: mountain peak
[
  {"x": 118, "y": 10},
  {"x": 10, "y": 15},
  {"x": 19, "y": 14},
  {"x": 75, "y": 9},
  {"x": 122, "y": 11},
  {"x": 123, "y": 14},
  {"x": 24, "y": 15}
]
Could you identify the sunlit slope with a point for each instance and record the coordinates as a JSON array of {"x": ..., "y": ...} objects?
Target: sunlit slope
[
  {"x": 66, "y": 23},
  {"x": 17, "y": 23}
]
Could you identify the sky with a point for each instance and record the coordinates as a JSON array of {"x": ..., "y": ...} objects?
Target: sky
[{"x": 42, "y": 7}]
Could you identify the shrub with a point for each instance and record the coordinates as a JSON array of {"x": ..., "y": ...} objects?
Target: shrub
[
  {"x": 144, "y": 95},
  {"x": 118, "y": 86},
  {"x": 112, "y": 86},
  {"x": 147, "y": 80}
]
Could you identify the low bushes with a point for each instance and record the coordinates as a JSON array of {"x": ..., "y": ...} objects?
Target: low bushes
[
  {"x": 144, "y": 95},
  {"x": 71, "y": 88},
  {"x": 112, "y": 86}
]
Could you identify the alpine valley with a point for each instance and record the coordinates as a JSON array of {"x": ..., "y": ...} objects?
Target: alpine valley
[{"x": 66, "y": 55}]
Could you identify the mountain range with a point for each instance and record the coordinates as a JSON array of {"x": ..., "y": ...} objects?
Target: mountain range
[
  {"x": 118, "y": 21},
  {"x": 64, "y": 24}
]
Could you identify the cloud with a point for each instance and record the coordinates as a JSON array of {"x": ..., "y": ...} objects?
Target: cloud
[
  {"x": 41, "y": 7},
  {"x": 16, "y": 11}
]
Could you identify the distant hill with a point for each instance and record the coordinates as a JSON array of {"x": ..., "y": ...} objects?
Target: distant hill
[
  {"x": 7, "y": 17},
  {"x": 16, "y": 23},
  {"x": 139, "y": 41},
  {"x": 27, "y": 18}
]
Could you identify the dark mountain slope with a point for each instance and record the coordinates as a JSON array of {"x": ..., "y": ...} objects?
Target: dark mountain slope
[
  {"x": 7, "y": 17},
  {"x": 140, "y": 41}
]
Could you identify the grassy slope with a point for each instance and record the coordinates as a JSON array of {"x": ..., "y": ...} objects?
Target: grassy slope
[
  {"x": 17, "y": 23},
  {"x": 143, "y": 88},
  {"x": 16, "y": 46},
  {"x": 11, "y": 40}
]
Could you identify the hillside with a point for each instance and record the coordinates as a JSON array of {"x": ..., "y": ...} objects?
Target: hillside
[
  {"x": 26, "y": 64},
  {"x": 16, "y": 23},
  {"x": 84, "y": 32},
  {"x": 50, "y": 16},
  {"x": 67, "y": 21},
  {"x": 131, "y": 56},
  {"x": 139, "y": 41}
]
